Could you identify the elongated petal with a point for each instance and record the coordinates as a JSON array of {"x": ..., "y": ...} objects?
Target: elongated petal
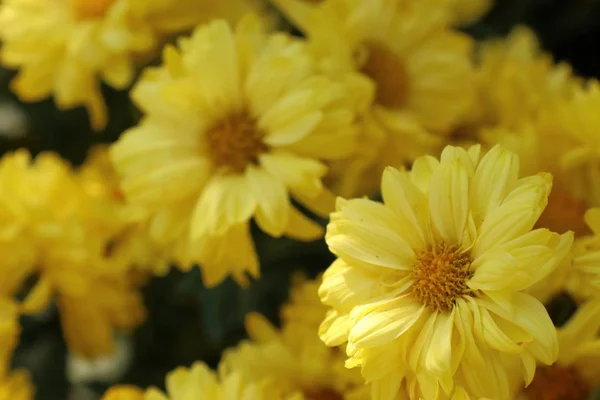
[
  {"x": 225, "y": 201},
  {"x": 381, "y": 322},
  {"x": 272, "y": 212}
]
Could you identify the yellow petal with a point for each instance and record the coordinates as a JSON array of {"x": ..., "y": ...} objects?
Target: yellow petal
[
  {"x": 273, "y": 206},
  {"x": 225, "y": 201}
]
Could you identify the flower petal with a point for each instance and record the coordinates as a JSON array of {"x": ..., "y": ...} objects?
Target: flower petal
[
  {"x": 273, "y": 206},
  {"x": 383, "y": 321},
  {"x": 516, "y": 215},
  {"x": 364, "y": 230},
  {"x": 225, "y": 201}
]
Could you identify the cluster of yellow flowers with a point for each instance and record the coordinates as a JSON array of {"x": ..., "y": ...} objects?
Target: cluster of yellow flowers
[{"x": 437, "y": 292}]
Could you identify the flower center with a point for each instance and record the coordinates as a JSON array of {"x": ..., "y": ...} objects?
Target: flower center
[
  {"x": 389, "y": 73},
  {"x": 557, "y": 383},
  {"x": 441, "y": 274},
  {"x": 235, "y": 142},
  {"x": 89, "y": 9},
  {"x": 563, "y": 213}
]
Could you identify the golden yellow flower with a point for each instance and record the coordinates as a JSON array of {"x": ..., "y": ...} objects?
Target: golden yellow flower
[
  {"x": 16, "y": 386},
  {"x": 61, "y": 49},
  {"x": 577, "y": 370},
  {"x": 297, "y": 361},
  {"x": 517, "y": 80},
  {"x": 421, "y": 70},
  {"x": 237, "y": 123},
  {"x": 431, "y": 283},
  {"x": 72, "y": 228},
  {"x": 199, "y": 382},
  {"x": 66, "y": 49}
]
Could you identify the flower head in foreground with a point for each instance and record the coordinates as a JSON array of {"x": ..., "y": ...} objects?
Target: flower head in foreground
[
  {"x": 297, "y": 360},
  {"x": 577, "y": 371},
  {"x": 199, "y": 382},
  {"x": 430, "y": 284},
  {"x": 65, "y": 49},
  {"x": 421, "y": 70},
  {"x": 237, "y": 123}
]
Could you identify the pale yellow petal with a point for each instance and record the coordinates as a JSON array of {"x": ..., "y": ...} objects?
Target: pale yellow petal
[
  {"x": 273, "y": 206},
  {"x": 383, "y": 321},
  {"x": 226, "y": 201}
]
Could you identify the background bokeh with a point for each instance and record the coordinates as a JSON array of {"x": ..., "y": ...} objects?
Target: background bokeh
[{"x": 186, "y": 321}]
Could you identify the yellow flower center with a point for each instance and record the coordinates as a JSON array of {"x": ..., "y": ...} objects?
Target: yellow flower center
[
  {"x": 389, "y": 73},
  {"x": 441, "y": 274},
  {"x": 235, "y": 142},
  {"x": 89, "y": 9},
  {"x": 563, "y": 213},
  {"x": 557, "y": 383}
]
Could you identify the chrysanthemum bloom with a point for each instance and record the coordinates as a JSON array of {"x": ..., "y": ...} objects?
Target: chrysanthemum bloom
[
  {"x": 517, "y": 80},
  {"x": 431, "y": 283},
  {"x": 523, "y": 95},
  {"x": 237, "y": 123},
  {"x": 577, "y": 371},
  {"x": 421, "y": 69},
  {"x": 199, "y": 382},
  {"x": 298, "y": 362},
  {"x": 73, "y": 230},
  {"x": 66, "y": 49},
  {"x": 578, "y": 121}
]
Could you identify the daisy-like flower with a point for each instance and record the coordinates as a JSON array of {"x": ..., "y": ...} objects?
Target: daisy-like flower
[
  {"x": 300, "y": 364},
  {"x": 237, "y": 123},
  {"x": 577, "y": 371},
  {"x": 580, "y": 124},
  {"x": 65, "y": 49},
  {"x": 517, "y": 81},
  {"x": 199, "y": 382},
  {"x": 430, "y": 285},
  {"x": 421, "y": 69},
  {"x": 73, "y": 229}
]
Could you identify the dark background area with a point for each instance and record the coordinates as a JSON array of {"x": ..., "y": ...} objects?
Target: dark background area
[{"x": 188, "y": 322}]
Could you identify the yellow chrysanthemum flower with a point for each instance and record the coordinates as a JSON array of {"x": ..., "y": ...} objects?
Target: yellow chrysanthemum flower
[
  {"x": 73, "y": 230},
  {"x": 578, "y": 121},
  {"x": 431, "y": 283},
  {"x": 421, "y": 70},
  {"x": 64, "y": 49},
  {"x": 237, "y": 123},
  {"x": 517, "y": 81},
  {"x": 298, "y": 362},
  {"x": 577, "y": 371},
  {"x": 199, "y": 382}
]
